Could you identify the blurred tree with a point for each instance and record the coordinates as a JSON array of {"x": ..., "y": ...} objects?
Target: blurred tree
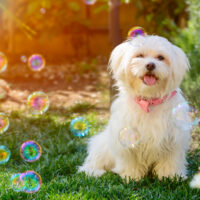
[
  {"x": 162, "y": 17},
  {"x": 11, "y": 7},
  {"x": 189, "y": 40},
  {"x": 7, "y": 24},
  {"x": 114, "y": 26},
  {"x": 115, "y": 36}
]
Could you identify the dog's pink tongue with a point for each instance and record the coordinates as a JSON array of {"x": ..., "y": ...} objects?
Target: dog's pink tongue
[{"x": 149, "y": 80}]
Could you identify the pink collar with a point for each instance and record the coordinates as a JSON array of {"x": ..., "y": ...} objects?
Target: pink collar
[{"x": 145, "y": 103}]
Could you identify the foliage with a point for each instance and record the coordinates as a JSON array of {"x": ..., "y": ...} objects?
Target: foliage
[
  {"x": 161, "y": 16},
  {"x": 60, "y": 14},
  {"x": 191, "y": 89},
  {"x": 189, "y": 40},
  {"x": 90, "y": 66},
  {"x": 62, "y": 153}
]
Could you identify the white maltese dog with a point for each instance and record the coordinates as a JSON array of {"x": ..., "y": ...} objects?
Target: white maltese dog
[{"x": 148, "y": 71}]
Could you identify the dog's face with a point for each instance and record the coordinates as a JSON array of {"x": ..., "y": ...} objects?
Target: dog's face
[{"x": 148, "y": 66}]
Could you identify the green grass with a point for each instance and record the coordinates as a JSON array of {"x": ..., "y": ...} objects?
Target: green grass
[{"x": 62, "y": 153}]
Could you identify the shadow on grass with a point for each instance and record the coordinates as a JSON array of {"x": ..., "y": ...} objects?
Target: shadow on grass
[{"x": 80, "y": 108}]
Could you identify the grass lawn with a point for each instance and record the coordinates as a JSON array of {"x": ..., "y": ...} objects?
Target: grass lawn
[{"x": 62, "y": 153}]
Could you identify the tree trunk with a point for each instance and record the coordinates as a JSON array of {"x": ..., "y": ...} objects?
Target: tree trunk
[
  {"x": 88, "y": 17},
  {"x": 10, "y": 26},
  {"x": 114, "y": 35}
]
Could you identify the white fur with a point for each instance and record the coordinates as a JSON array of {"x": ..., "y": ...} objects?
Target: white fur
[
  {"x": 195, "y": 182},
  {"x": 163, "y": 146}
]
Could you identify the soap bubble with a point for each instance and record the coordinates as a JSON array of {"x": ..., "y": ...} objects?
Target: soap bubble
[
  {"x": 42, "y": 11},
  {"x": 193, "y": 113},
  {"x": 38, "y": 102},
  {"x": 4, "y": 123},
  {"x": 16, "y": 183},
  {"x": 30, "y": 151},
  {"x": 90, "y": 2},
  {"x": 4, "y": 154},
  {"x": 32, "y": 181},
  {"x": 79, "y": 127},
  {"x": 183, "y": 118},
  {"x": 3, "y": 62},
  {"x": 36, "y": 62},
  {"x": 128, "y": 138},
  {"x": 23, "y": 58},
  {"x": 135, "y": 31}
]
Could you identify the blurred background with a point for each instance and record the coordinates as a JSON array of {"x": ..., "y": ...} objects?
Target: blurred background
[
  {"x": 76, "y": 37},
  {"x": 62, "y": 30},
  {"x": 72, "y": 40}
]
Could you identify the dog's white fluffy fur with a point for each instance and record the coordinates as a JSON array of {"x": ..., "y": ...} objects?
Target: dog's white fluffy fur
[{"x": 162, "y": 147}]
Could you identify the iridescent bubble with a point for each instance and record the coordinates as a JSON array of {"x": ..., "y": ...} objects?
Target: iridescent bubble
[
  {"x": 16, "y": 183},
  {"x": 193, "y": 113},
  {"x": 32, "y": 181},
  {"x": 4, "y": 123},
  {"x": 42, "y": 10},
  {"x": 183, "y": 118},
  {"x": 4, "y": 154},
  {"x": 23, "y": 58},
  {"x": 79, "y": 127},
  {"x": 135, "y": 31},
  {"x": 3, "y": 62},
  {"x": 36, "y": 62},
  {"x": 128, "y": 138},
  {"x": 90, "y": 2},
  {"x": 30, "y": 151},
  {"x": 38, "y": 102}
]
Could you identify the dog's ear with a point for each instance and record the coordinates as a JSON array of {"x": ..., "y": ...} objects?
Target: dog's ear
[
  {"x": 181, "y": 65},
  {"x": 117, "y": 61}
]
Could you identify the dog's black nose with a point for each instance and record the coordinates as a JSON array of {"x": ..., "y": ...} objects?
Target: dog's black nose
[{"x": 151, "y": 66}]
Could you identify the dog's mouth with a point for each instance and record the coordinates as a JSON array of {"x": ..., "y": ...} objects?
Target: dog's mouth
[{"x": 149, "y": 79}]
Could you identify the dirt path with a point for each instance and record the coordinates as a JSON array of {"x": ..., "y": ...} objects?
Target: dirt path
[{"x": 63, "y": 87}]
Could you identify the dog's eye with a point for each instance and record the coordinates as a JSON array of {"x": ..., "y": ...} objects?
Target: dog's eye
[
  {"x": 140, "y": 55},
  {"x": 160, "y": 57}
]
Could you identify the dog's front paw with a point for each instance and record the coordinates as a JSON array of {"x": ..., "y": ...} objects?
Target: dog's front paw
[
  {"x": 171, "y": 175},
  {"x": 169, "y": 172},
  {"x": 91, "y": 171},
  {"x": 128, "y": 174}
]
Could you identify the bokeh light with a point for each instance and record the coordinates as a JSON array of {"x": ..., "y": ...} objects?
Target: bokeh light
[
  {"x": 23, "y": 58},
  {"x": 3, "y": 62},
  {"x": 135, "y": 31},
  {"x": 32, "y": 181},
  {"x": 43, "y": 11},
  {"x": 30, "y": 151},
  {"x": 16, "y": 183},
  {"x": 4, "y": 154},
  {"x": 79, "y": 127},
  {"x": 127, "y": 137},
  {"x": 36, "y": 62},
  {"x": 38, "y": 102},
  {"x": 4, "y": 123},
  {"x": 90, "y": 2}
]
